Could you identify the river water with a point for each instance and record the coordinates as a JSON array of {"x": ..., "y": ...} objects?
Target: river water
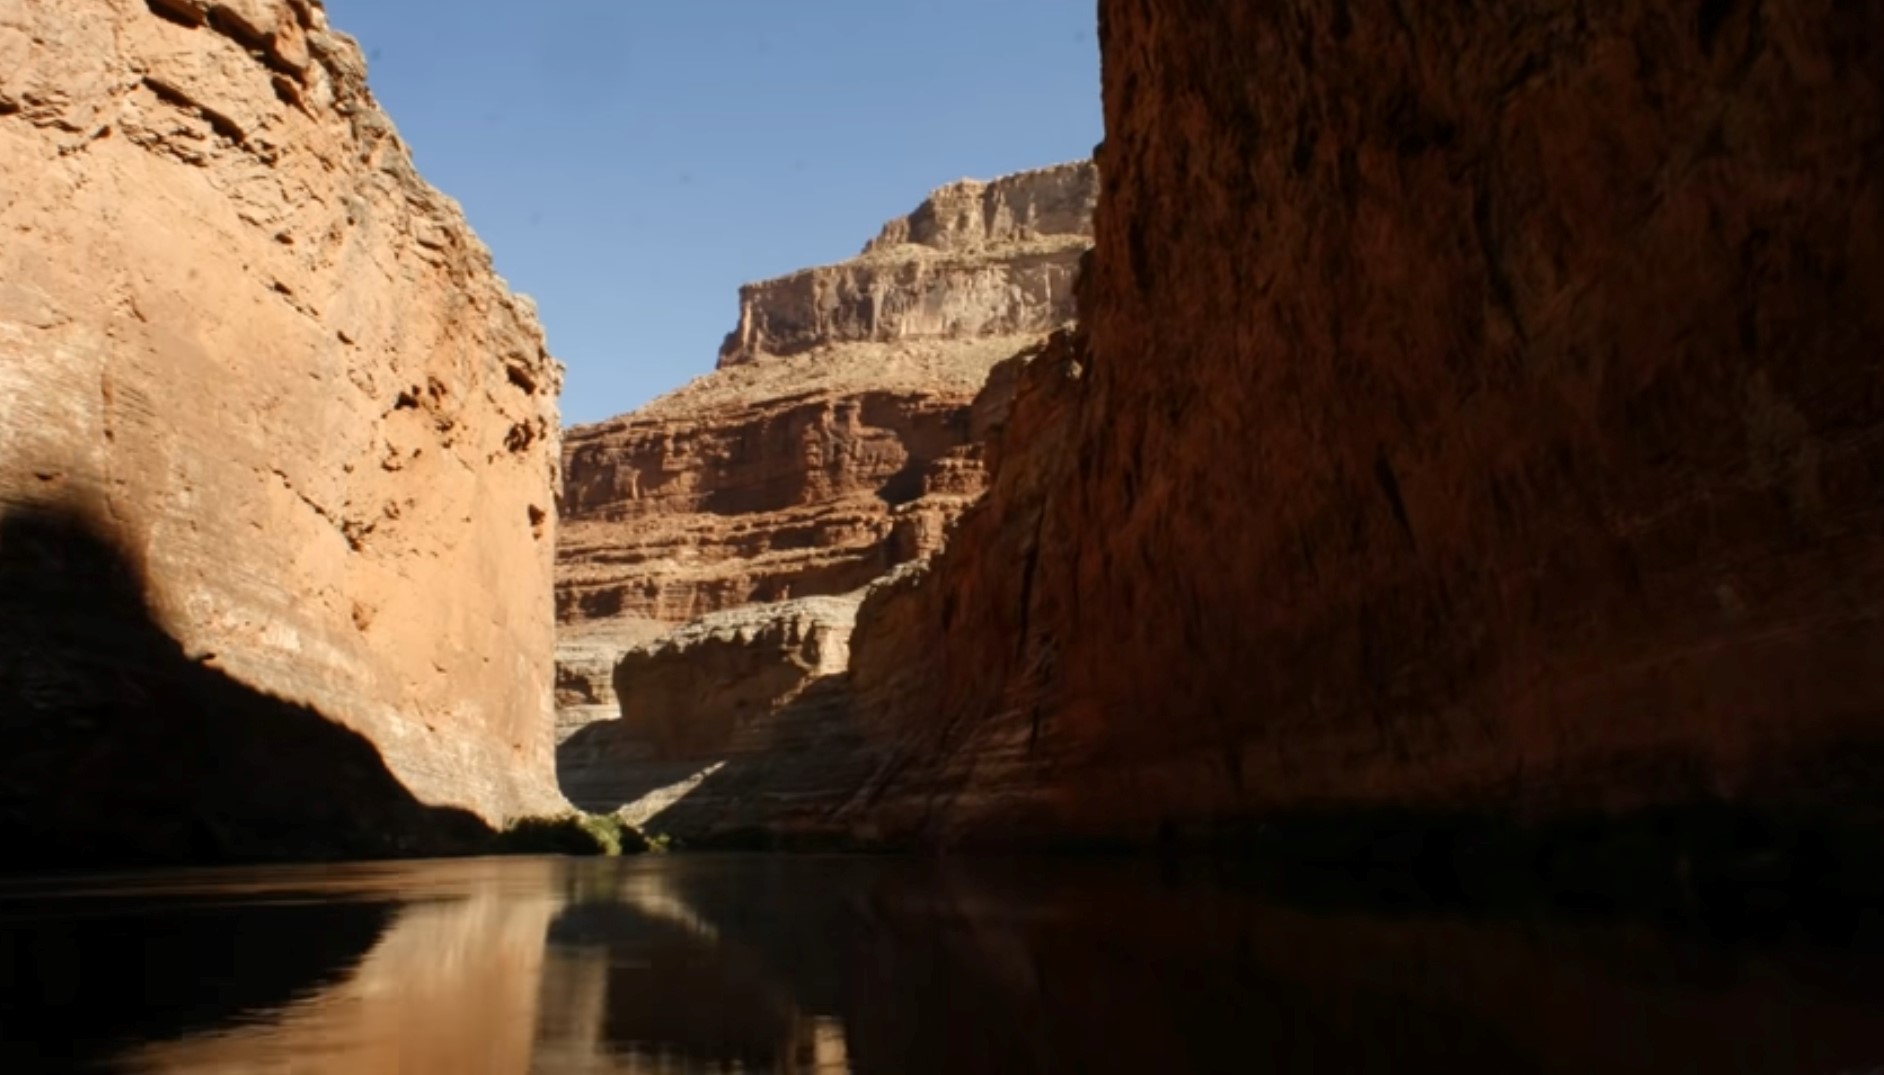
[{"x": 761, "y": 963}]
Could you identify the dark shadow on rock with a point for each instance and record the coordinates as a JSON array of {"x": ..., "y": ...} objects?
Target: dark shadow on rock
[
  {"x": 118, "y": 748},
  {"x": 784, "y": 782},
  {"x": 598, "y": 769},
  {"x": 906, "y": 485},
  {"x": 772, "y": 780}
]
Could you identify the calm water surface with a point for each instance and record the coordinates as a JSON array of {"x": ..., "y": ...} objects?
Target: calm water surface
[{"x": 761, "y": 964}]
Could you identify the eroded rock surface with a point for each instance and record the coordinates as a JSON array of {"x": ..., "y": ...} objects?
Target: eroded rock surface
[
  {"x": 976, "y": 259},
  {"x": 268, "y": 378},
  {"x": 752, "y": 690},
  {"x": 1480, "y": 409},
  {"x": 831, "y": 445}
]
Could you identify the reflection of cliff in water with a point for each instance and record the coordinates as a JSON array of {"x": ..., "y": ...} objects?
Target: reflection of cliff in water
[
  {"x": 762, "y": 963},
  {"x": 1038, "y": 966},
  {"x": 81, "y": 978},
  {"x": 451, "y": 987},
  {"x": 534, "y": 965},
  {"x": 642, "y": 981}
]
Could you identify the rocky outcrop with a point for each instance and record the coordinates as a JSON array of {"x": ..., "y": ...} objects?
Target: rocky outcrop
[
  {"x": 1478, "y": 411},
  {"x": 677, "y": 512},
  {"x": 585, "y": 677},
  {"x": 976, "y": 259},
  {"x": 262, "y": 378},
  {"x": 686, "y": 693},
  {"x": 780, "y": 477},
  {"x": 807, "y": 476},
  {"x": 750, "y": 699}
]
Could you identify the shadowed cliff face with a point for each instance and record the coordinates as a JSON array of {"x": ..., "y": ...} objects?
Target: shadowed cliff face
[
  {"x": 119, "y": 747},
  {"x": 1481, "y": 408}
]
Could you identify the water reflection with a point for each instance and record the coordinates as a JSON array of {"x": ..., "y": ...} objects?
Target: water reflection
[
  {"x": 452, "y": 986},
  {"x": 763, "y": 964}
]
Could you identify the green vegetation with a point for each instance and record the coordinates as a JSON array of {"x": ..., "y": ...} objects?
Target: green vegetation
[{"x": 571, "y": 834}]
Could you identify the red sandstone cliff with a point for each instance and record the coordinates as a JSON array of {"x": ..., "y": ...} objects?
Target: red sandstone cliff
[
  {"x": 838, "y": 437},
  {"x": 841, "y": 435},
  {"x": 1479, "y": 408},
  {"x": 278, "y": 452}
]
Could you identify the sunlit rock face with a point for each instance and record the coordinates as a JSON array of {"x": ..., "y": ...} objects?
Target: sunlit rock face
[
  {"x": 1478, "y": 407},
  {"x": 841, "y": 434},
  {"x": 275, "y": 371},
  {"x": 976, "y": 259}
]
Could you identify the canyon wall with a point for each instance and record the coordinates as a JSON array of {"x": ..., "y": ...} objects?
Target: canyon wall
[
  {"x": 821, "y": 455},
  {"x": 844, "y": 431},
  {"x": 1476, "y": 409},
  {"x": 278, "y": 453},
  {"x": 975, "y": 259}
]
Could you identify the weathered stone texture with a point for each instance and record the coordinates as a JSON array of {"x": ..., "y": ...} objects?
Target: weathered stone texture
[
  {"x": 239, "y": 332},
  {"x": 810, "y": 486},
  {"x": 1481, "y": 408},
  {"x": 817, "y": 458},
  {"x": 975, "y": 259},
  {"x": 726, "y": 722},
  {"x": 685, "y": 693},
  {"x": 779, "y": 477}
]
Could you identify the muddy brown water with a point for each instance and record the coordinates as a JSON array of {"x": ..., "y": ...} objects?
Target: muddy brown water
[{"x": 763, "y": 963}]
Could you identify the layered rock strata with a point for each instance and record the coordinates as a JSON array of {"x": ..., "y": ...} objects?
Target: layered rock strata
[
  {"x": 1478, "y": 411},
  {"x": 976, "y": 259},
  {"x": 840, "y": 435},
  {"x": 754, "y": 696},
  {"x": 277, "y": 449}
]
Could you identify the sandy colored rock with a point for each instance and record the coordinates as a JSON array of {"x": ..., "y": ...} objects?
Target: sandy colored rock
[
  {"x": 826, "y": 449},
  {"x": 976, "y": 259},
  {"x": 254, "y": 366},
  {"x": 1479, "y": 410}
]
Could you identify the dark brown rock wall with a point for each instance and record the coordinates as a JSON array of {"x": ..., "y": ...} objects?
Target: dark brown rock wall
[{"x": 1483, "y": 407}]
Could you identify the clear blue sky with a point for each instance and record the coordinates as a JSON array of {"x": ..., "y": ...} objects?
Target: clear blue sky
[{"x": 631, "y": 162}]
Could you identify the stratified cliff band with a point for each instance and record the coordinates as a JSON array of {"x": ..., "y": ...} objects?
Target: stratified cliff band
[
  {"x": 846, "y": 428},
  {"x": 836, "y": 438}
]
